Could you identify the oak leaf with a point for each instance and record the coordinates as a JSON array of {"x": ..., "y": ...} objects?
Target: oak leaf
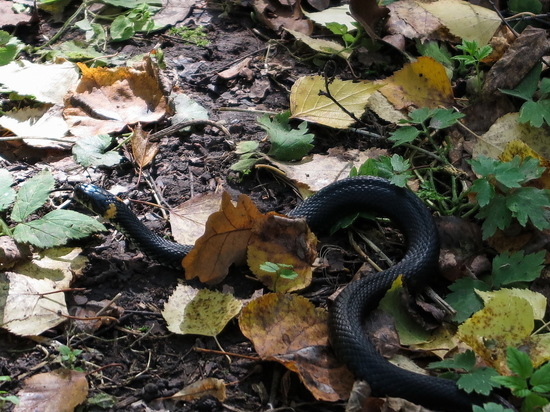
[
  {"x": 224, "y": 242},
  {"x": 289, "y": 329}
]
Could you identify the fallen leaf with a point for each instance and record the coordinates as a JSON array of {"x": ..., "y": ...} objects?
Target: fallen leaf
[
  {"x": 289, "y": 329},
  {"x": 59, "y": 391},
  {"x": 286, "y": 241},
  {"x": 278, "y": 16},
  {"x": 199, "y": 312},
  {"x": 108, "y": 99},
  {"x": 339, "y": 14},
  {"x": 321, "y": 45},
  {"x": 187, "y": 220},
  {"x": 307, "y": 104},
  {"x": 204, "y": 387},
  {"x": 143, "y": 150},
  {"x": 368, "y": 13},
  {"x": 536, "y": 300},
  {"x": 423, "y": 83},
  {"x": 465, "y": 20},
  {"x": 224, "y": 242}
]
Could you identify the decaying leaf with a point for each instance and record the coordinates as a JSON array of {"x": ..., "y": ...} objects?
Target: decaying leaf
[
  {"x": 289, "y": 329},
  {"x": 224, "y": 242},
  {"x": 423, "y": 83},
  {"x": 204, "y": 387},
  {"x": 278, "y": 15},
  {"x": 279, "y": 240},
  {"x": 465, "y": 20},
  {"x": 369, "y": 14},
  {"x": 322, "y": 45},
  {"x": 59, "y": 391},
  {"x": 187, "y": 220},
  {"x": 199, "y": 312},
  {"x": 108, "y": 99},
  {"x": 307, "y": 104},
  {"x": 143, "y": 150}
]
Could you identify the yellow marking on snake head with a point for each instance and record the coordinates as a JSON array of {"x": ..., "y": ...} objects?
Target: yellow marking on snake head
[{"x": 110, "y": 212}]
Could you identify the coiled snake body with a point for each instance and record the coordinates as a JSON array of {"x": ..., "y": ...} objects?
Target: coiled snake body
[{"x": 350, "y": 343}]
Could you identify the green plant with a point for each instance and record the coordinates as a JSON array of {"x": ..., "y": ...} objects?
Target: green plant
[
  {"x": 472, "y": 55},
  {"x": 69, "y": 357},
  {"x": 53, "y": 229},
  {"x": 136, "y": 19},
  {"x": 196, "y": 36},
  {"x": 396, "y": 169},
  {"x": 282, "y": 270},
  {"x": 7, "y": 398},
  {"x": 502, "y": 195},
  {"x": 10, "y": 46},
  {"x": 535, "y": 112},
  {"x": 527, "y": 383},
  {"x": 287, "y": 143},
  {"x": 351, "y": 39}
]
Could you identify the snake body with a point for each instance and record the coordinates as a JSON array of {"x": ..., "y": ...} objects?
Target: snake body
[{"x": 350, "y": 343}]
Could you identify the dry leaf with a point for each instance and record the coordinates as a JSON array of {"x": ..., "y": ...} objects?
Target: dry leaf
[
  {"x": 199, "y": 312},
  {"x": 368, "y": 13},
  {"x": 143, "y": 150},
  {"x": 224, "y": 241},
  {"x": 59, "y": 391},
  {"x": 204, "y": 387},
  {"x": 307, "y": 104},
  {"x": 322, "y": 45},
  {"x": 289, "y": 329},
  {"x": 282, "y": 15},
  {"x": 286, "y": 241},
  {"x": 423, "y": 83}
]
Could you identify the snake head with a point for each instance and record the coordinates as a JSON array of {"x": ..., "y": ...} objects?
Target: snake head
[{"x": 97, "y": 199}]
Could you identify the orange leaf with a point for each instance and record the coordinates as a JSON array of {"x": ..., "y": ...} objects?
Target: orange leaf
[
  {"x": 61, "y": 391},
  {"x": 292, "y": 331},
  {"x": 224, "y": 242},
  {"x": 279, "y": 240},
  {"x": 423, "y": 83},
  {"x": 143, "y": 150},
  {"x": 204, "y": 387}
]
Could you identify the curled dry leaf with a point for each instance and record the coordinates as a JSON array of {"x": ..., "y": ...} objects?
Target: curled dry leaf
[
  {"x": 204, "y": 387},
  {"x": 423, "y": 83},
  {"x": 143, "y": 150},
  {"x": 286, "y": 241},
  {"x": 224, "y": 242},
  {"x": 290, "y": 330},
  {"x": 59, "y": 391}
]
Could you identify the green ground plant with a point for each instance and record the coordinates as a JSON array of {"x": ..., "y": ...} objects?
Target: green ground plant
[
  {"x": 196, "y": 36},
  {"x": 472, "y": 55},
  {"x": 4, "y": 397},
  {"x": 69, "y": 357}
]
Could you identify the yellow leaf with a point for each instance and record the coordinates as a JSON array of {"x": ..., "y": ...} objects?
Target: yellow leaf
[
  {"x": 535, "y": 299},
  {"x": 321, "y": 45},
  {"x": 465, "y": 20},
  {"x": 307, "y": 104},
  {"x": 423, "y": 83},
  {"x": 291, "y": 330},
  {"x": 199, "y": 312},
  {"x": 504, "y": 321},
  {"x": 224, "y": 241}
]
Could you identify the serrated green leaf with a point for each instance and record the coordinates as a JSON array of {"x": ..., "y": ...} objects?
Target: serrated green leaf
[
  {"x": 405, "y": 134},
  {"x": 529, "y": 203},
  {"x": 463, "y": 298},
  {"x": 540, "y": 380},
  {"x": 443, "y": 118},
  {"x": 509, "y": 173},
  {"x": 55, "y": 228},
  {"x": 517, "y": 267},
  {"x": 287, "y": 144},
  {"x": 528, "y": 86},
  {"x": 7, "y": 194},
  {"x": 92, "y": 151},
  {"x": 248, "y": 146},
  {"x": 32, "y": 195},
  {"x": 122, "y": 28},
  {"x": 533, "y": 402},
  {"x": 478, "y": 381},
  {"x": 465, "y": 361},
  {"x": 244, "y": 164},
  {"x": 484, "y": 191},
  {"x": 483, "y": 166},
  {"x": 545, "y": 86},
  {"x": 515, "y": 383},
  {"x": 519, "y": 362},
  {"x": 496, "y": 215},
  {"x": 419, "y": 116},
  {"x": 533, "y": 113},
  {"x": 491, "y": 407}
]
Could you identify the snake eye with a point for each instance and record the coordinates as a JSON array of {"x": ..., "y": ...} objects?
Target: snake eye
[{"x": 95, "y": 198}]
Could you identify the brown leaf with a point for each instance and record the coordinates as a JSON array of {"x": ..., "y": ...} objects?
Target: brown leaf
[
  {"x": 368, "y": 13},
  {"x": 286, "y": 241},
  {"x": 143, "y": 150},
  {"x": 289, "y": 329},
  {"x": 204, "y": 387},
  {"x": 278, "y": 15},
  {"x": 224, "y": 242},
  {"x": 58, "y": 391}
]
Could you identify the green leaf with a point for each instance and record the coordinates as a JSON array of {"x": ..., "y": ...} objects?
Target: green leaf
[
  {"x": 465, "y": 361},
  {"x": 530, "y": 6},
  {"x": 491, "y": 407},
  {"x": 484, "y": 191},
  {"x": 419, "y": 116},
  {"x": 530, "y": 203},
  {"x": 540, "y": 380},
  {"x": 496, "y": 215},
  {"x": 519, "y": 362},
  {"x": 92, "y": 151},
  {"x": 533, "y": 113},
  {"x": 248, "y": 146},
  {"x": 515, "y": 383},
  {"x": 245, "y": 163},
  {"x": 287, "y": 144},
  {"x": 463, "y": 298},
  {"x": 478, "y": 381},
  {"x": 337, "y": 28},
  {"x": 544, "y": 86},
  {"x": 55, "y": 228},
  {"x": 32, "y": 195},
  {"x": 483, "y": 166},
  {"x": 7, "y": 194},
  {"x": 533, "y": 402},
  {"x": 405, "y": 134},
  {"x": 122, "y": 28},
  {"x": 517, "y": 267},
  {"x": 444, "y": 118},
  {"x": 10, "y": 46},
  {"x": 436, "y": 51},
  {"x": 528, "y": 86}
]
